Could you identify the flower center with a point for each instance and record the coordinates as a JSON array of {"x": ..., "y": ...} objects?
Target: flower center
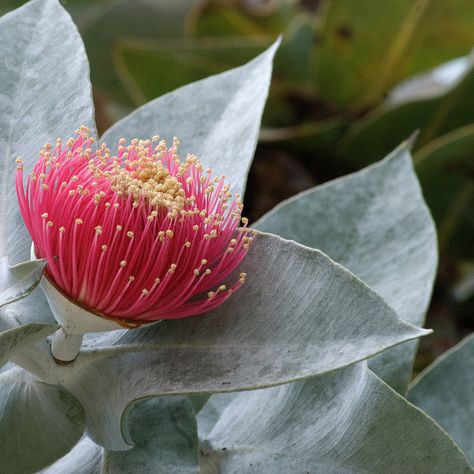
[
  {"x": 149, "y": 179},
  {"x": 144, "y": 176}
]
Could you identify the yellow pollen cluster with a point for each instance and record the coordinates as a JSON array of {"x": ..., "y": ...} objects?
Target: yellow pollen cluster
[
  {"x": 149, "y": 179},
  {"x": 144, "y": 177}
]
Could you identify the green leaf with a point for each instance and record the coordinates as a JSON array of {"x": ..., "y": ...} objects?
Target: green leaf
[
  {"x": 164, "y": 435},
  {"x": 445, "y": 168},
  {"x": 307, "y": 138},
  {"x": 444, "y": 390},
  {"x": 298, "y": 315},
  {"x": 348, "y": 422},
  {"x": 212, "y": 118},
  {"x": 234, "y": 19},
  {"x": 366, "y": 47},
  {"x": 45, "y": 94},
  {"x": 38, "y": 422},
  {"x": 149, "y": 69},
  {"x": 445, "y": 109},
  {"x": 376, "y": 224},
  {"x": 19, "y": 280},
  {"x": 113, "y": 21}
]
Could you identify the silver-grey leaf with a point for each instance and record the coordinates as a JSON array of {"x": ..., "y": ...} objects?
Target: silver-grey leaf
[
  {"x": 348, "y": 421},
  {"x": 376, "y": 224},
  {"x": 217, "y": 118},
  {"x": 16, "y": 339},
  {"x": 445, "y": 390},
  {"x": 298, "y": 315},
  {"x": 38, "y": 422},
  {"x": 164, "y": 435},
  {"x": 19, "y": 280},
  {"x": 45, "y": 93}
]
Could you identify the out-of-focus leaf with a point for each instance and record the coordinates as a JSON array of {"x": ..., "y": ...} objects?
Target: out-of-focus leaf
[
  {"x": 311, "y": 137},
  {"x": 435, "y": 82},
  {"x": 445, "y": 391},
  {"x": 377, "y": 133},
  {"x": 366, "y": 47},
  {"x": 345, "y": 422},
  {"x": 121, "y": 19},
  {"x": 164, "y": 435},
  {"x": 445, "y": 167},
  {"x": 212, "y": 118},
  {"x": 375, "y": 223},
  {"x": 150, "y": 69},
  {"x": 38, "y": 422},
  {"x": 298, "y": 315},
  {"x": 19, "y": 280},
  {"x": 293, "y": 59},
  {"x": 45, "y": 94},
  {"x": 216, "y": 18}
]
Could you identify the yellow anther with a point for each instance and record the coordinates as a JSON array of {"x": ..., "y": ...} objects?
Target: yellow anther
[
  {"x": 123, "y": 263},
  {"x": 79, "y": 221}
]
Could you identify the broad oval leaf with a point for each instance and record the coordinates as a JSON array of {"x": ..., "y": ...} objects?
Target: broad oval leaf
[
  {"x": 377, "y": 225},
  {"x": 38, "y": 422},
  {"x": 217, "y": 118},
  {"x": 384, "y": 127},
  {"x": 164, "y": 435},
  {"x": 445, "y": 391},
  {"x": 19, "y": 280},
  {"x": 366, "y": 47},
  {"x": 445, "y": 168},
  {"x": 298, "y": 315},
  {"x": 45, "y": 94},
  {"x": 348, "y": 421}
]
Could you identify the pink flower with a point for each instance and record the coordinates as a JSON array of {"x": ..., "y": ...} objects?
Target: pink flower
[{"x": 140, "y": 236}]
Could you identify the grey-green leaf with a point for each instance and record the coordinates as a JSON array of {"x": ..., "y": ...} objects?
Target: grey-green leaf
[
  {"x": 217, "y": 118},
  {"x": 19, "y": 280},
  {"x": 348, "y": 421},
  {"x": 20, "y": 338},
  {"x": 375, "y": 223},
  {"x": 45, "y": 93},
  {"x": 446, "y": 392},
  {"x": 164, "y": 435},
  {"x": 298, "y": 315},
  {"x": 38, "y": 422}
]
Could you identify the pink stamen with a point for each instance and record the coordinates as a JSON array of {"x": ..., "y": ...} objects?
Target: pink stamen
[{"x": 140, "y": 236}]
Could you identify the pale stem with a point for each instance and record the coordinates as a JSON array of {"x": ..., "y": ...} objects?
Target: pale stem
[{"x": 65, "y": 347}]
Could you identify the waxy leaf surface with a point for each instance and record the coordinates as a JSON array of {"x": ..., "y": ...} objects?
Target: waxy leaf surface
[
  {"x": 164, "y": 434},
  {"x": 445, "y": 391},
  {"x": 376, "y": 224},
  {"x": 19, "y": 280},
  {"x": 45, "y": 94},
  {"x": 38, "y": 422},
  {"x": 217, "y": 118},
  {"x": 298, "y": 315},
  {"x": 348, "y": 421}
]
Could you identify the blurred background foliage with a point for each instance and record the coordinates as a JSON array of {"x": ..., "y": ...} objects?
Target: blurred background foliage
[{"x": 352, "y": 80}]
